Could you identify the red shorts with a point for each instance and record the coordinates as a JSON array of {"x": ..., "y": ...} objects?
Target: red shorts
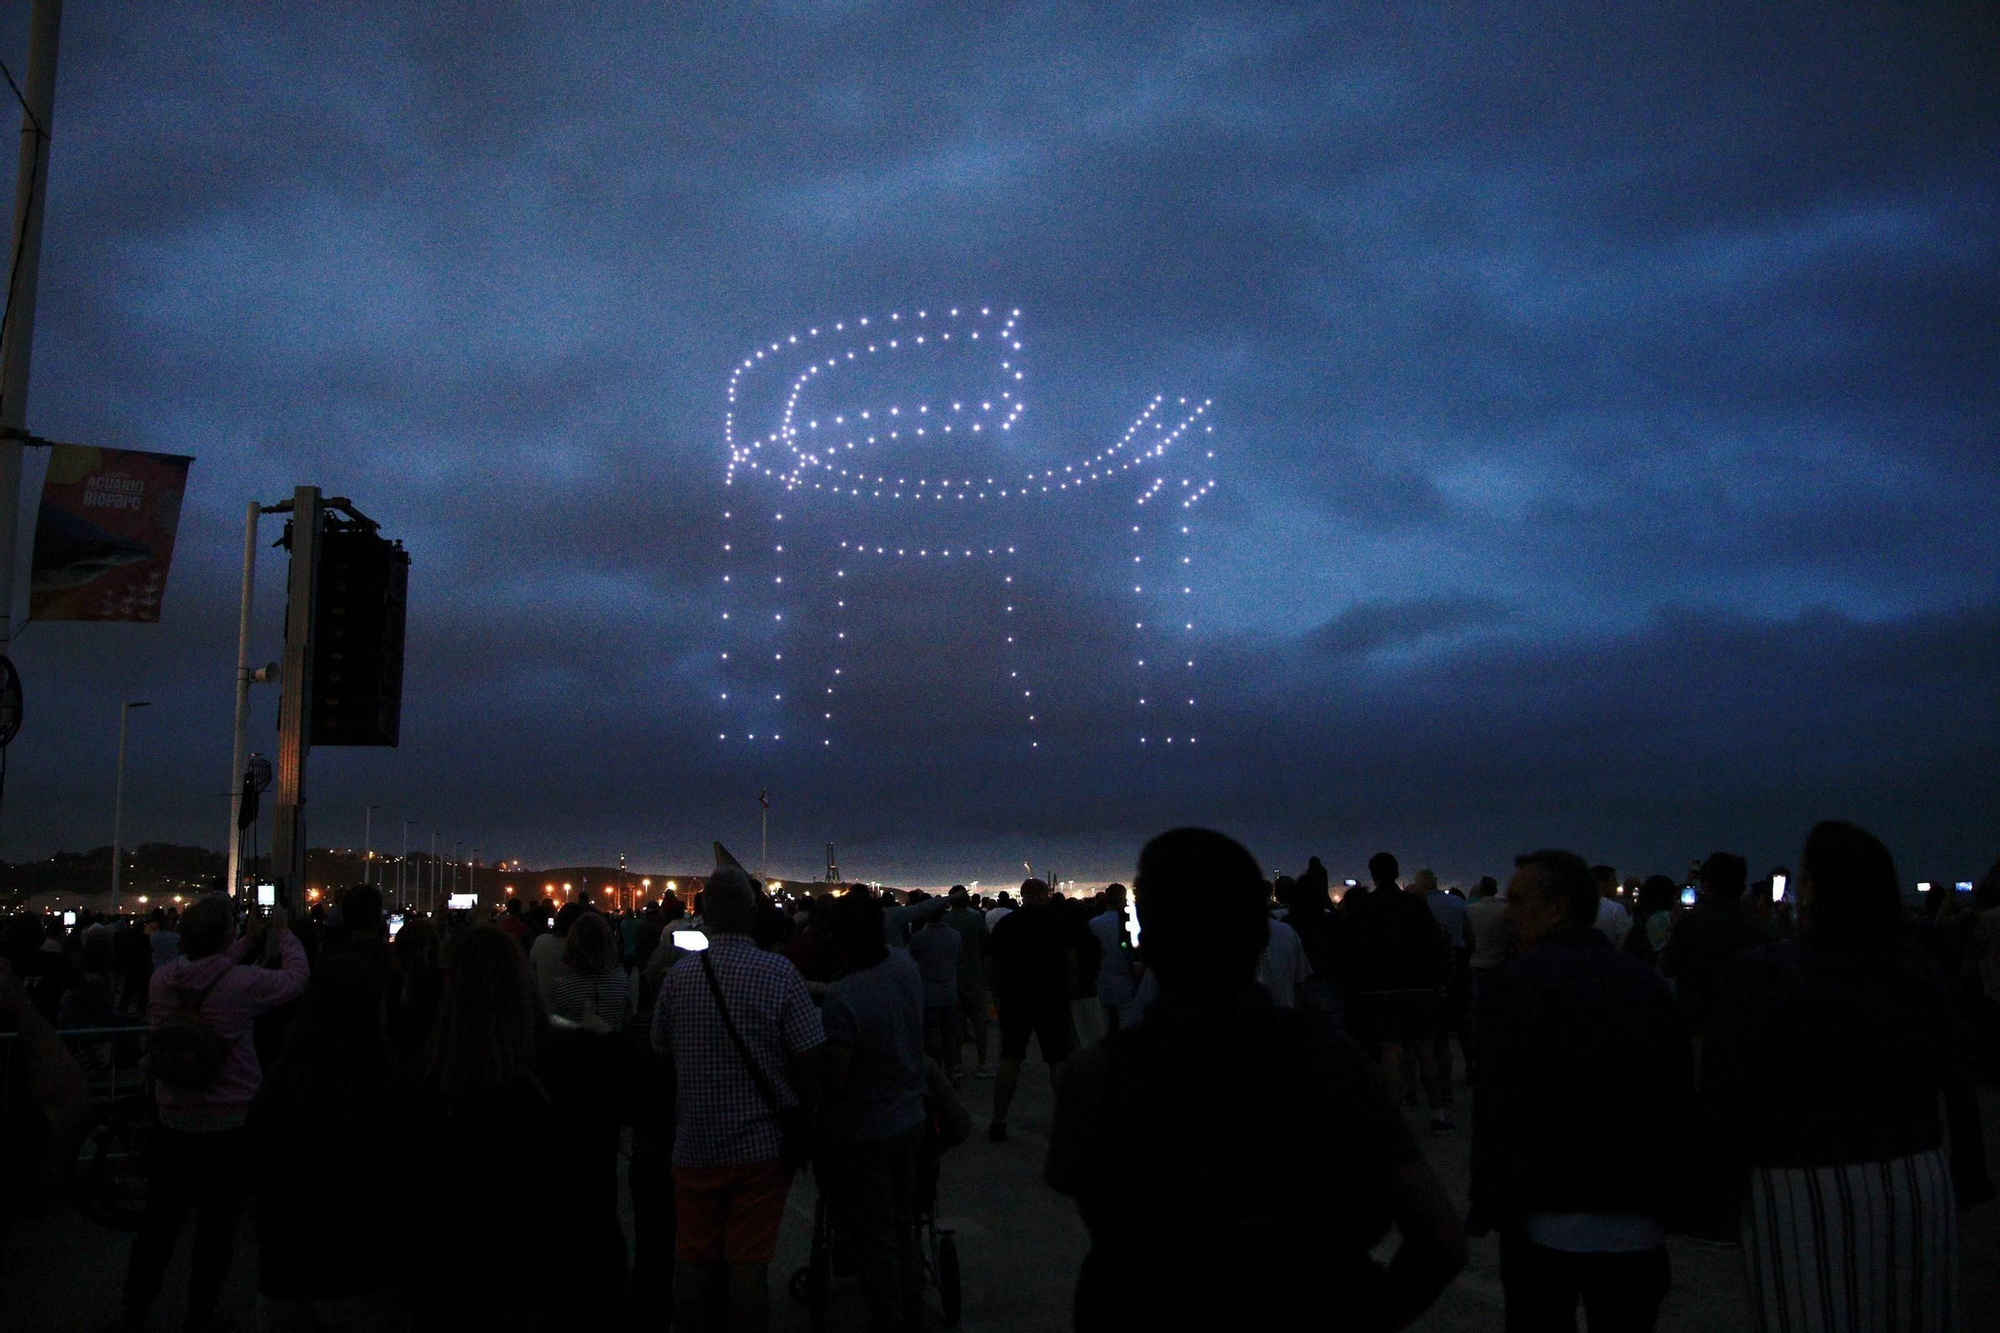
[{"x": 729, "y": 1214}]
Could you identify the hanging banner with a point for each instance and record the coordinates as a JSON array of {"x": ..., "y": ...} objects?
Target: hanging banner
[{"x": 105, "y": 534}]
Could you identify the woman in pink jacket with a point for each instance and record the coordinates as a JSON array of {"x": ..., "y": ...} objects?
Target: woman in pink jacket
[{"x": 198, "y": 1152}]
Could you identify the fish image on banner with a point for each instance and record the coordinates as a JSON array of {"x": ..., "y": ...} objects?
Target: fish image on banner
[{"x": 105, "y": 534}]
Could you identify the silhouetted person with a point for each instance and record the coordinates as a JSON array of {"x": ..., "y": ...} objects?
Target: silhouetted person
[
  {"x": 546, "y": 958},
  {"x": 935, "y": 947},
  {"x": 1577, "y": 1039},
  {"x": 975, "y": 998},
  {"x": 1398, "y": 963},
  {"x": 1652, "y": 920},
  {"x": 1032, "y": 958},
  {"x": 1826, "y": 1062},
  {"x": 1491, "y": 940},
  {"x": 496, "y": 1064},
  {"x": 513, "y": 924},
  {"x": 1708, "y": 937},
  {"x": 202, "y": 1007},
  {"x": 1117, "y": 980},
  {"x": 874, "y": 1111},
  {"x": 1163, "y": 1134},
  {"x": 731, "y": 1175},
  {"x": 1449, "y": 913},
  {"x": 418, "y": 957},
  {"x": 336, "y": 1105},
  {"x": 593, "y": 988}
]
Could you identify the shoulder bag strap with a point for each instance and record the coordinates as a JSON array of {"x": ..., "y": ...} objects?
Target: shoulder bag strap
[{"x": 770, "y": 1094}]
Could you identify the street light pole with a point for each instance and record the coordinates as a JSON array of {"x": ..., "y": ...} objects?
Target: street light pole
[
  {"x": 239, "y": 750},
  {"x": 403, "y": 868},
  {"x": 368, "y": 842},
  {"x": 118, "y": 803},
  {"x": 31, "y": 180}
]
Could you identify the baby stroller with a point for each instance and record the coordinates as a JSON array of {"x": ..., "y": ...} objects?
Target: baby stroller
[{"x": 945, "y": 1126}]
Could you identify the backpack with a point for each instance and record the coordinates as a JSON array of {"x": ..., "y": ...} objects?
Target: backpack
[{"x": 186, "y": 1053}]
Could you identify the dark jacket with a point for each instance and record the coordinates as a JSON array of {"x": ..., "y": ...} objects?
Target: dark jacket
[
  {"x": 1586, "y": 1088},
  {"x": 1820, "y": 1056},
  {"x": 1392, "y": 942},
  {"x": 1201, "y": 1213},
  {"x": 1706, "y": 940}
]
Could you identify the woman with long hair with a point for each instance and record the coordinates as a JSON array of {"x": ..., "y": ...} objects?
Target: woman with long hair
[
  {"x": 503, "y": 1083},
  {"x": 1826, "y": 1064},
  {"x": 416, "y": 956}
]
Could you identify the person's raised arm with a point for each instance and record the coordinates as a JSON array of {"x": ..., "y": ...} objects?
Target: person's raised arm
[{"x": 289, "y": 981}]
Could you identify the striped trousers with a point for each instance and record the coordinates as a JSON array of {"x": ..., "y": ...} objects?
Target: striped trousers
[{"x": 1869, "y": 1247}]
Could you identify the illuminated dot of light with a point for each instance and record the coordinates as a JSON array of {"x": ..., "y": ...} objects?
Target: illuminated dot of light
[{"x": 829, "y": 451}]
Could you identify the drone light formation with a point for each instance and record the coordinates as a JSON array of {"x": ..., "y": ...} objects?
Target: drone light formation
[{"x": 895, "y": 495}]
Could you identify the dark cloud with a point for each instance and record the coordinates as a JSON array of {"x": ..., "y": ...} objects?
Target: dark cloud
[{"x": 1605, "y": 410}]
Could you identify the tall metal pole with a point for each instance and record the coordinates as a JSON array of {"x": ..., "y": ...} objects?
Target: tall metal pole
[
  {"x": 118, "y": 805},
  {"x": 368, "y": 844},
  {"x": 403, "y": 868},
  {"x": 240, "y": 751},
  {"x": 17, "y": 340},
  {"x": 288, "y": 850},
  {"x": 434, "y": 867}
]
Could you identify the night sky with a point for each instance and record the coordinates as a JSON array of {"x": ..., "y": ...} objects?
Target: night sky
[{"x": 1605, "y": 417}]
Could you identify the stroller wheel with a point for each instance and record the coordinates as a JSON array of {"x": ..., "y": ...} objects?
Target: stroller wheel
[{"x": 947, "y": 1276}]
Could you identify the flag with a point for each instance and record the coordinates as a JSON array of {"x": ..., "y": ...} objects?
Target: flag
[
  {"x": 105, "y": 533},
  {"x": 764, "y": 799}
]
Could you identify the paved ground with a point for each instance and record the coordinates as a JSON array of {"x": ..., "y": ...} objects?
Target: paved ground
[{"x": 1019, "y": 1245}]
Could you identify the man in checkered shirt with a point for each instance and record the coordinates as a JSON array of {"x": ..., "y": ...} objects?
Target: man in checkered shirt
[{"x": 729, "y": 1185}]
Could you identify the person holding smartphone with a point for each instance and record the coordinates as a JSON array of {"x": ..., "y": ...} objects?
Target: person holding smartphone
[{"x": 197, "y": 1153}]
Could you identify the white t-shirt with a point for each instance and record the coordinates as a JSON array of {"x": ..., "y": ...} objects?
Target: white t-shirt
[
  {"x": 1614, "y": 920},
  {"x": 545, "y": 959},
  {"x": 1283, "y": 965},
  {"x": 995, "y": 915}
]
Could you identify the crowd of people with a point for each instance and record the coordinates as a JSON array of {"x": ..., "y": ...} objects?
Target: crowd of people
[{"x": 1241, "y": 1069}]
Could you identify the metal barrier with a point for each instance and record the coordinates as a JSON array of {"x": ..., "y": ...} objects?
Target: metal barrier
[{"x": 104, "y": 1177}]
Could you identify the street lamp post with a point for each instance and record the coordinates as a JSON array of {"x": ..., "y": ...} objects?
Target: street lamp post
[
  {"x": 368, "y": 843},
  {"x": 403, "y": 868},
  {"x": 118, "y": 803}
]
